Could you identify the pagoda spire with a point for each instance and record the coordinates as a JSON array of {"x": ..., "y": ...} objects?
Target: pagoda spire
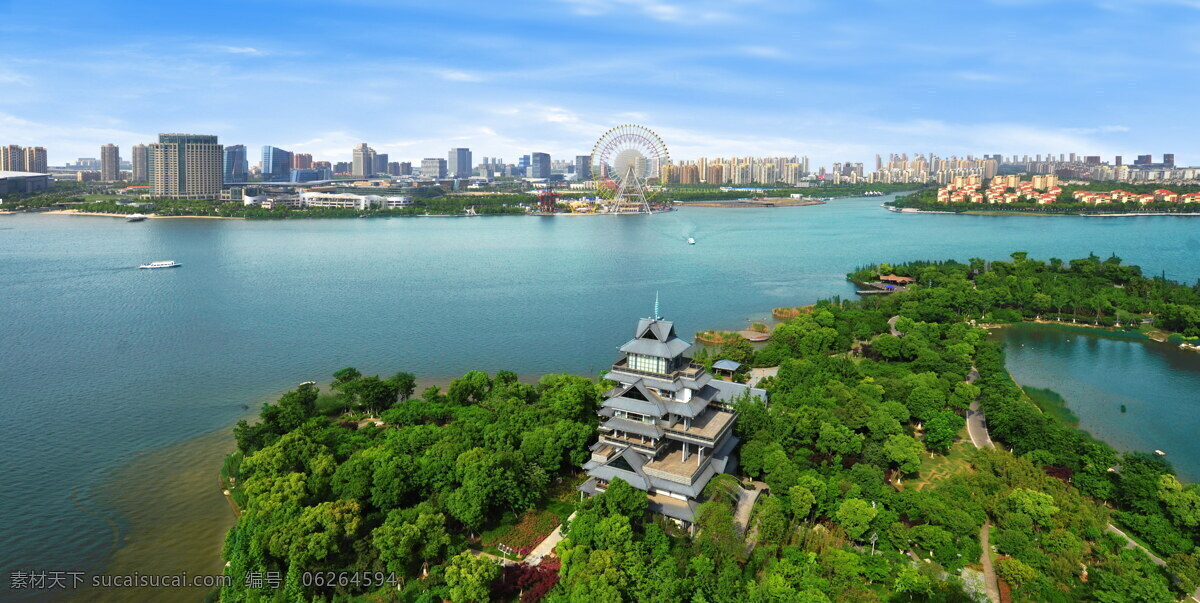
[{"x": 656, "y": 316}]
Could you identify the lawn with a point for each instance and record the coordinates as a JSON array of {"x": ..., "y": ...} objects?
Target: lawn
[
  {"x": 523, "y": 533},
  {"x": 942, "y": 466}
]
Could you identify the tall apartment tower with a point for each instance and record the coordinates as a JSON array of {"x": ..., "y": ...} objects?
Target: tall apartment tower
[
  {"x": 458, "y": 163},
  {"x": 583, "y": 167},
  {"x": 186, "y": 166},
  {"x": 539, "y": 165},
  {"x": 110, "y": 163},
  {"x": 363, "y": 161},
  {"x": 433, "y": 167},
  {"x": 141, "y": 162},
  {"x": 379, "y": 163},
  {"x": 35, "y": 160},
  {"x": 235, "y": 167},
  {"x": 12, "y": 158},
  {"x": 302, "y": 161}
]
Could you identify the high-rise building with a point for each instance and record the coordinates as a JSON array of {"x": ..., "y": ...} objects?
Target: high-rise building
[
  {"x": 1143, "y": 160},
  {"x": 433, "y": 168},
  {"x": 140, "y": 162},
  {"x": 1118, "y": 160},
  {"x": 1168, "y": 160},
  {"x": 236, "y": 167},
  {"x": 380, "y": 163},
  {"x": 186, "y": 166},
  {"x": 301, "y": 161},
  {"x": 110, "y": 163},
  {"x": 12, "y": 158},
  {"x": 363, "y": 158},
  {"x": 405, "y": 168},
  {"x": 539, "y": 165},
  {"x": 583, "y": 167},
  {"x": 276, "y": 164},
  {"x": 459, "y": 163},
  {"x": 35, "y": 160}
]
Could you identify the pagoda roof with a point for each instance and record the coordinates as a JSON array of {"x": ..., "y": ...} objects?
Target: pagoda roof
[
  {"x": 635, "y": 397},
  {"x": 649, "y": 430},
  {"x": 656, "y": 337}
]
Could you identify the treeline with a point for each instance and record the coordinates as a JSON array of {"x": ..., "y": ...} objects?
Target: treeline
[
  {"x": 1085, "y": 290},
  {"x": 322, "y": 487}
]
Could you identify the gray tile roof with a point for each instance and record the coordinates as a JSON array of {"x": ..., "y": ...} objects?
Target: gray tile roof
[
  {"x": 643, "y": 429},
  {"x": 727, "y": 365},
  {"x": 727, "y": 391},
  {"x": 660, "y": 349}
]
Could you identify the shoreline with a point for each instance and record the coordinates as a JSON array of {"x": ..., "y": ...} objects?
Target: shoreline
[
  {"x": 981, "y": 212},
  {"x": 74, "y": 212}
]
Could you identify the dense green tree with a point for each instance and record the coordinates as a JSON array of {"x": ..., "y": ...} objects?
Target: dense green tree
[{"x": 469, "y": 577}]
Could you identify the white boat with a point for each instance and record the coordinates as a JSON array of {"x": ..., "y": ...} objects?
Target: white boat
[
  {"x": 691, "y": 241},
  {"x": 136, "y": 217},
  {"x": 162, "y": 264}
]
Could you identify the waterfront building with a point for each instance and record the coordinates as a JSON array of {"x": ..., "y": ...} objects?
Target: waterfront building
[
  {"x": 12, "y": 182},
  {"x": 12, "y": 158},
  {"x": 110, "y": 163},
  {"x": 433, "y": 167},
  {"x": 667, "y": 426},
  {"x": 458, "y": 163},
  {"x": 236, "y": 167},
  {"x": 276, "y": 164},
  {"x": 185, "y": 166},
  {"x": 363, "y": 161},
  {"x": 140, "y": 162},
  {"x": 35, "y": 160}
]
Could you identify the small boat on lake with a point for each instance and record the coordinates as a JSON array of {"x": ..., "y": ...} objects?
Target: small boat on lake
[
  {"x": 691, "y": 241},
  {"x": 136, "y": 218},
  {"x": 162, "y": 264}
]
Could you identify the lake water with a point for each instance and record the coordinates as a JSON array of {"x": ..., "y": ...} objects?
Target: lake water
[
  {"x": 118, "y": 385},
  {"x": 1098, "y": 373}
]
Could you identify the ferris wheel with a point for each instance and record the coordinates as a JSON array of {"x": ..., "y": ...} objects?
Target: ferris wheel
[{"x": 623, "y": 160}]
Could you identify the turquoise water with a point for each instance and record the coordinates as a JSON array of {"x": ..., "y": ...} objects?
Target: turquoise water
[
  {"x": 1096, "y": 373},
  {"x": 101, "y": 362}
]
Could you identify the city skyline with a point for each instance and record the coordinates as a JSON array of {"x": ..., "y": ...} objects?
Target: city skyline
[{"x": 811, "y": 80}]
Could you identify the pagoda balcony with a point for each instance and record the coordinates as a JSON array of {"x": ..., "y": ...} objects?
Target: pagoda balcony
[
  {"x": 690, "y": 370},
  {"x": 674, "y": 467},
  {"x": 707, "y": 429},
  {"x": 637, "y": 442}
]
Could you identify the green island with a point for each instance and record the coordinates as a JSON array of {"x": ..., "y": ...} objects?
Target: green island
[
  {"x": 91, "y": 198},
  {"x": 873, "y": 485},
  {"x": 926, "y": 200}
]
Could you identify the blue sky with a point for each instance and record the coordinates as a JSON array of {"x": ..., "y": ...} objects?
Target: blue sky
[{"x": 831, "y": 80}]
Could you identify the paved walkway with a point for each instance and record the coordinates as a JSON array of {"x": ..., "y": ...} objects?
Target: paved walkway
[
  {"x": 892, "y": 326},
  {"x": 546, "y": 546},
  {"x": 746, "y": 498},
  {"x": 758, "y": 374},
  {"x": 989, "y": 573}
]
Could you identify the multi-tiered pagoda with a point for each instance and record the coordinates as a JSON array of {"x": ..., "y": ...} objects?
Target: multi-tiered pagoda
[{"x": 667, "y": 427}]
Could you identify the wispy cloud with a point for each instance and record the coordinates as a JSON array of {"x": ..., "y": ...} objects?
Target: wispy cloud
[
  {"x": 454, "y": 75},
  {"x": 246, "y": 50}
]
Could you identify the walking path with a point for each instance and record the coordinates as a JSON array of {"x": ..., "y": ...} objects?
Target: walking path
[
  {"x": 746, "y": 498},
  {"x": 546, "y": 546},
  {"x": 989, "y": 573}
]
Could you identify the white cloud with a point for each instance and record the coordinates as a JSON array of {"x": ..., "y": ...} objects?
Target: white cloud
[
  {"x": 658, "y": 10},
  {"x": 453, "y": 75},
  {"x": 246, "y": 50}
]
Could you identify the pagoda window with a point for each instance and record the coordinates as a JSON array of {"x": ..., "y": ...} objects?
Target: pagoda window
[{"x": 653, "y": 364}]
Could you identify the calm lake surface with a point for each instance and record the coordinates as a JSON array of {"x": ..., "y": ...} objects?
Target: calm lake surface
[
  {"x": 118, "y": 385},
  {"x": 1097, "y": 373}
]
